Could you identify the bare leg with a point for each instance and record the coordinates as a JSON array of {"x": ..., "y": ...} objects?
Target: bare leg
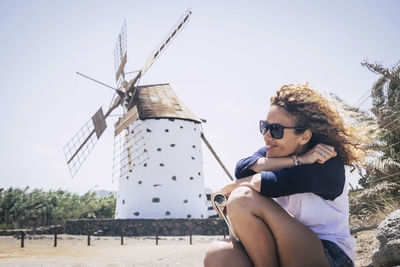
[
  {"x": 226, "y": 253},
  {"x": 256, "y": 219}
]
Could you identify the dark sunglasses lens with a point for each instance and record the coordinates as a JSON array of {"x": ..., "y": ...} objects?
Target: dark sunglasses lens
[
  {"x": 276, "y": 131},
  {"x": 263, "y": 127}
]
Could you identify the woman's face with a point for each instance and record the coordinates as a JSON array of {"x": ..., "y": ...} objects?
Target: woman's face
[{"x": 290, "y": 142}]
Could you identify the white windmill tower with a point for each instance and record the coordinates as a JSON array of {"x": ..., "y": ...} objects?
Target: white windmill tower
[{"x": 157, "y": 151}]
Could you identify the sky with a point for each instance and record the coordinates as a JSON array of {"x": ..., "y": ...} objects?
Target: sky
[{"x": 225, "y": 65}]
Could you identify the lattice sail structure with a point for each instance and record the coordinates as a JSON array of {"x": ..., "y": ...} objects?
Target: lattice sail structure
[
  {"x": 160, "y": 48},
  {"x": 79, "y": 147},
  {"x": 120, "y": 53},
  {"x": 130, "y": 150}
]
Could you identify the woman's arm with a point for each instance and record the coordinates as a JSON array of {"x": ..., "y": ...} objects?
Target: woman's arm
[
  {"x": 248, "y": 170},
  {"x": 326, "y": 180},
  {"x": 271, "y": 164},
  {"x": 253, "y": 181},
  {"x": 258, "y": 162}
]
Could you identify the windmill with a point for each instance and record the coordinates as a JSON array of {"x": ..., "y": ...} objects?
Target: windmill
[{"x": 157, "y": 150}]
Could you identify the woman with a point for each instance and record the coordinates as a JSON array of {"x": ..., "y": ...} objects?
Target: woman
[{"x": 302, "y": 169}]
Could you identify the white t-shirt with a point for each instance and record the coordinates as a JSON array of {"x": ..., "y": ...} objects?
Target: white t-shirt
[{"x": 329, "y": 219}]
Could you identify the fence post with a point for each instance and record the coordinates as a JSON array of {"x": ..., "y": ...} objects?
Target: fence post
[
  {"x": 157, "y": 234},
  {"x": 55, "y": 238},
  {"x": 122, "y": 237},
  {"x": 88, "y": 239},
  {"x": 22, "y": 239},
  {"x": 190, "y": 231}
]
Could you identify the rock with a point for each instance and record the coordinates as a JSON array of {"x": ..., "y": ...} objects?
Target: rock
[
  {"x": 98, "y": 233},
  {"x": 388, "y": 234}
]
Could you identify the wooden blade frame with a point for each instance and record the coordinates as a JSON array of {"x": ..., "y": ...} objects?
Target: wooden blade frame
[
  {"x": 120, "y": 53},
  {"x": 79, "y": 147},
  {"x": 155, "y": 54},
  {"x": 130, "y": 150}
]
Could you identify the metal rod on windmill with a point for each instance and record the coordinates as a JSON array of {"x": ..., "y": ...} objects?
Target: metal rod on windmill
[
  {"x": 216, "y": 156},
  {"x": 78, "y": 148}
]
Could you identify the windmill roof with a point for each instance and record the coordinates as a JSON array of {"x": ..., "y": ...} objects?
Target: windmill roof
[{"x": 160, "y": 101}]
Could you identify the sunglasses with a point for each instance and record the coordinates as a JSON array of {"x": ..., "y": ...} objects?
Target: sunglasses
[{"x": 275, "y": 129}]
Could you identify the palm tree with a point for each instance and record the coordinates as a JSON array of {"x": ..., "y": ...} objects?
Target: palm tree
[
  {"x": 380, "y": 173},
  {"x": 386, "y": 107}
]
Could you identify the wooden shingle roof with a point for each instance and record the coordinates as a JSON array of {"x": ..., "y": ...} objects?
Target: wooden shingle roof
[{"x": 160, "y": 101}]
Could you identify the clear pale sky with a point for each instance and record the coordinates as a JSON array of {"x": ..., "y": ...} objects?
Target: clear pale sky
[{"x": 225, "y": 65}]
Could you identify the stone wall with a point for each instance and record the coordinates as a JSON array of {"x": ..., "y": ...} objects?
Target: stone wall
[
  {"x": 42, "y": 230},
  {"x": 147, "y": 227}
]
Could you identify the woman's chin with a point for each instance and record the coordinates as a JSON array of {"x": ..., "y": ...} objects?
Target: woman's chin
[{"x": 276, "y": 155}]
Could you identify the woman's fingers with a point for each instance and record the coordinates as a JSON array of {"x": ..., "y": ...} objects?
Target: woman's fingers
[
  {"x": 320, "y": 154},
  {"x": 324, "y": 152}
]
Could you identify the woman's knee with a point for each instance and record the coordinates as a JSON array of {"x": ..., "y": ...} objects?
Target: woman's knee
[
  {"x": 226, "y": 253},
  {"x": 241, "y": 198},
  {"x": 218, "y": 253}
]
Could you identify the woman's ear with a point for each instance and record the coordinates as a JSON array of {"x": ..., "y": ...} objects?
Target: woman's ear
[{"x": 305, "y": 138}]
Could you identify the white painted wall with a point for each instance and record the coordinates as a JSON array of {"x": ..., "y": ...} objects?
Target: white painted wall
[{"x": 166, "y": 180}]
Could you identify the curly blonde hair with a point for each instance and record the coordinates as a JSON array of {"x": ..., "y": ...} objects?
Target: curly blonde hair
[{"x": 315, "y": 112}]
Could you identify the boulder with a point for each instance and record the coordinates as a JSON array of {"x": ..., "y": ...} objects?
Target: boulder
[{"x": 388, "y": 235}]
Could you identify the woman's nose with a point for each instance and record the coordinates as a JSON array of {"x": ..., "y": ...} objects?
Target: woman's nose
[{"x": 267, "y": 135}]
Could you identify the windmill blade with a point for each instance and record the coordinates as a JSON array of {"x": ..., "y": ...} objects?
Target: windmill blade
[
  {"x": 78, "y": 148},
  {"x": 120, "y": 53},
  {"x": 130, "y": 148},
  {"x": 155, "y": 54}
]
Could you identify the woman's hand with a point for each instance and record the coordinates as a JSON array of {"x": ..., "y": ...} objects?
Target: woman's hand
[{"x": 320, "y": 153}]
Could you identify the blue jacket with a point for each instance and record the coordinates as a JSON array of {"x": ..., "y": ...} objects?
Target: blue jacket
[{"x": 325, "y": 180}]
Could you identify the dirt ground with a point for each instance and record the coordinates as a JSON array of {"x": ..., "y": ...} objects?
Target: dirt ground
[
  {"x": 104, "y": 251},
  {"x": 366, "y": 244},
  {"x": 73, "y": 251}
]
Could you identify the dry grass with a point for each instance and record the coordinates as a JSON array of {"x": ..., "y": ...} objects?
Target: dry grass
[{"x": 372, "y": 205}]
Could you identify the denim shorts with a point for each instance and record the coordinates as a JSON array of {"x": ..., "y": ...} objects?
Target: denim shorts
[{"x": 336, "y": 256}]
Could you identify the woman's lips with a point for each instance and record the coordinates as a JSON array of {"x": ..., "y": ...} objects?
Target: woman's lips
[{"x": 269, "y": 147}]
